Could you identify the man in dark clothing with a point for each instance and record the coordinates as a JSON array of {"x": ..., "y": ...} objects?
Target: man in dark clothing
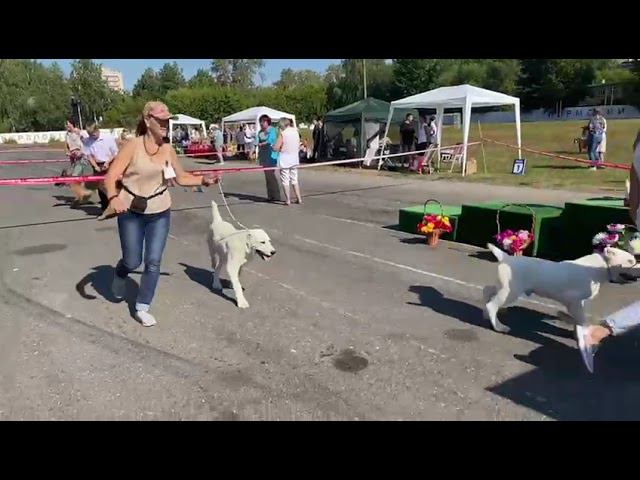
[
  {"x": 408, "y": 136},
  {"x": 319, "y": 141}
]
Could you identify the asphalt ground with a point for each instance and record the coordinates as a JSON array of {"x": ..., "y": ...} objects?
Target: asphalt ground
[{"x": 351, "y": 319}]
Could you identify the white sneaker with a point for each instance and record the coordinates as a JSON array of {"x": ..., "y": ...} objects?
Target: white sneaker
[
  {"x": 594, "y": 169},
  {"x": 587, "y": 351},
  {"x": 118, "y": 287},
  {"x": 145, "y": 318}
]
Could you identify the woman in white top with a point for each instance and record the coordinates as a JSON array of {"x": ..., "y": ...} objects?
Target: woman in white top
[{"x": 288, "y": 144}]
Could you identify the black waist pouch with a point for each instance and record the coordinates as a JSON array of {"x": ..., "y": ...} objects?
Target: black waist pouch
[{"x": 139, "y": 203}]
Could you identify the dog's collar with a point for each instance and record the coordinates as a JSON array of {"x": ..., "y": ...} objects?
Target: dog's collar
[{"x": 224, "y": 239}]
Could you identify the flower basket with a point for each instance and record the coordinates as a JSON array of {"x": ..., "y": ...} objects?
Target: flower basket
[
  {"x": 618, "y": 235},
  {"x": 515, "y": 242},
  {"x": 434, "y": 225}
]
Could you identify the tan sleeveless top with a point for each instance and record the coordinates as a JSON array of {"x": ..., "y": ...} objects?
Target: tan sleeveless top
[{"x": 145, "y": 177}]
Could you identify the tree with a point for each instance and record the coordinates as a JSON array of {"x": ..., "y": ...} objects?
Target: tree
[
  {"x": 415, "y": 75},
  {"x": 32, "y": 97},
  {"x": 295, "y": 78},
  {"x": 170, "y": 77},
  {"x": 543, "y": 83},
  {"x": 201, "y": 79},
  {"x": 345, "y": 82},
  {"x": 497, "y": 75},
  {"x": 239, "y": 72},
  {"x": 147, "y": 86},
  {"x": 88, "y": 86}
]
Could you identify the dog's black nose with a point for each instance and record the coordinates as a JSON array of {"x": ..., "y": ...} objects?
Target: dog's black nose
[{"x": 273, "y": 253}]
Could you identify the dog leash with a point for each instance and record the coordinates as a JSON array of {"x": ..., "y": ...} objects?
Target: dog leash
[{"x": 226, "y": 205}]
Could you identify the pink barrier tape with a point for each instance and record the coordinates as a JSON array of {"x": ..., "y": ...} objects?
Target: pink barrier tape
[
  {"x": 99, "y": 178},
  {"x": 564, "y": 157}
]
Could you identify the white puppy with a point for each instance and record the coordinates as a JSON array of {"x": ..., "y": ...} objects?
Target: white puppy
[
  {"x": 573, "y": 283},
  {"x": 231, "y": 248}
]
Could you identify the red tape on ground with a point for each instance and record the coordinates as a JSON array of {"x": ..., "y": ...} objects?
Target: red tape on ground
[{"x": 619, "y": 166}]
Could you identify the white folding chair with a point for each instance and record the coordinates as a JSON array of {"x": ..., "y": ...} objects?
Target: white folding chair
[{"x": 453, "y": 155}]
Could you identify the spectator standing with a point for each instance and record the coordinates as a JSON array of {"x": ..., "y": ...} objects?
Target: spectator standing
[
  {"x": 288, "y": 146},
  {"x": 240, "y": 140},
  {"x": 250, "y": 141},
  {"x": 597, "y": 129},
  {"x": 218, "y": 143},
  {"x": 267, "y": 157},
  {"x": 408, "y": 137},
  {"x": 319, "y": 142}
]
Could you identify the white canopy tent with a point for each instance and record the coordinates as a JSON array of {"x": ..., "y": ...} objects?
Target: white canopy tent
[
  {"x": 462, "y": 96},
  {"x": 181, "y": 119},
  {"x": 251, "y": 115}
]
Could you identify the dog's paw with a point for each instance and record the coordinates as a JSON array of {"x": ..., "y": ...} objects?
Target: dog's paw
[
  {"x": 243, "y": 304},
  {"x": 500, "y": 327}
]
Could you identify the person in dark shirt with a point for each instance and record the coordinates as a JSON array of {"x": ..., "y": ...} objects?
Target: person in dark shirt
[{"x": 408, "y": 137}]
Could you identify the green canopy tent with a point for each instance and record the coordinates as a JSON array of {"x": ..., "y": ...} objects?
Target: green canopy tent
[{"x": 366, "y": 118}]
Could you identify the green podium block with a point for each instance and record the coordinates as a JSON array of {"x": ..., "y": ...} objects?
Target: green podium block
[
  {"x": 583, "y": 219},
  {"x": 477, "y": 226}
]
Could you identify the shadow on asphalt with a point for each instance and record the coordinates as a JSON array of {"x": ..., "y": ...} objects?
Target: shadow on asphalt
[
  {"x": 100, "y": 278},
  {"x": 204, "y": 277},
  {"x": 558, "y": 386}
]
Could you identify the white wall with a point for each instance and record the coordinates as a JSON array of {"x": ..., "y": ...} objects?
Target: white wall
[
  {"x": 570, "y": 113},
  {"x": 44, "y": 137}
]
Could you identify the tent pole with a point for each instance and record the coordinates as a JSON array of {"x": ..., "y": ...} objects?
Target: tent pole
[
  {"x": 467, "y": 118},
  {"x": 439, "y": 118},
  {"x": 518, "y": 127},
  {"x": 484, "y": 160},
  {"x": 384, "y": 139}
]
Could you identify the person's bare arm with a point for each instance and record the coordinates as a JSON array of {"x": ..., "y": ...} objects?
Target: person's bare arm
[
  {"x": 118, "y": 166},
  {"x": 634, "y": 193},
  {"x": 278, "y": 145},
  {"x": 186, "y": 179}
]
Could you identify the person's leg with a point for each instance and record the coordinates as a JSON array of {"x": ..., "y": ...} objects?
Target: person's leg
[
  {"x": 156, "y": 232},
  {"x": 590, "y": 337},
  {"x": 593, "y": 150},
  {"x": 296, "y": 187},
  {"x": 285, "y": 176},
  {"x": 273, "y": 186},
  {"x": 131, "y": 233}
]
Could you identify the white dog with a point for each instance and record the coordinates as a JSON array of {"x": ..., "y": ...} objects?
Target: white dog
[
  {"x": 573, "y": 283},
  {"x": 231, "y": 248}
]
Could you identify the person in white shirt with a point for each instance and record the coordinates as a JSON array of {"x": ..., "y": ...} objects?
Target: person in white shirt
[
  {"x": 100, "y": 149},
  {"x": 288, "y": 144},
  {"x": 249, "y": 138}
]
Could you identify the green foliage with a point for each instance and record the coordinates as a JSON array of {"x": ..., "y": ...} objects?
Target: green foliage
[
  {"x": 87, "y": 85},
  {"x": 34, "y": 97}
]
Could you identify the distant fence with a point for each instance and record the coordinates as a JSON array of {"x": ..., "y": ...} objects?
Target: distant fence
[
  {"x": 46, "y": 137},
  {"x": 569, "y": 113}
]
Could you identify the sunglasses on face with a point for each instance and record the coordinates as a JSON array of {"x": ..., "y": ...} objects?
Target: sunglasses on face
[{"x": 159, "y": 121}]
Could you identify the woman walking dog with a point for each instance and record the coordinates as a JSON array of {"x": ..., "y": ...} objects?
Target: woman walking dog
[{"x": 143, "y": 204}]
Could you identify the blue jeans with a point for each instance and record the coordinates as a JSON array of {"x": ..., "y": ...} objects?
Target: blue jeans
[
  {"x": 625, "y": 319},
  {"x": 137, "y": 231},
  {"x": 593, "y": 148}
]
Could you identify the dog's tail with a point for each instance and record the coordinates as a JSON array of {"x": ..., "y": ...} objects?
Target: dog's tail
[
  {"x": 215, "y": 213},
  {"x": 499, "y": 254}
]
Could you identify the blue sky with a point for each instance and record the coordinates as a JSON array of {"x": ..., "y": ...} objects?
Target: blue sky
[{"x": 132, "y": 68}]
